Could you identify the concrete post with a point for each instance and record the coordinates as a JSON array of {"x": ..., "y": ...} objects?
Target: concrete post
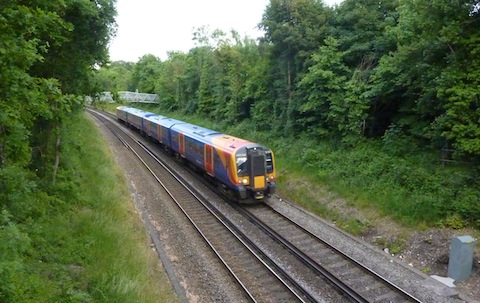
[{"x": 461, "y": 258}]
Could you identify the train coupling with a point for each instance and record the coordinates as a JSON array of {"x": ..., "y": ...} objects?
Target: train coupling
[{"x": 258, "y": 195}]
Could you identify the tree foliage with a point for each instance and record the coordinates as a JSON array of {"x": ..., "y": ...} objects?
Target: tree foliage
[
  {"x": 114, "y": 77},
  {"x": 402, "y": 72},
  {"x": 48, "y": 51},
  {"x": 145, "y": 72},
  {"x": 293, "y": 28},
  {"x": 324, "y": 109},
  {"x": 361, "y": 69}
]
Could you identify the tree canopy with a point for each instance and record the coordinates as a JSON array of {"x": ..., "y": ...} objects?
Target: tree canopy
[
  {"x": 48, "y": 54},
  {"x": 403, "y": 74},
  {"x": 353, "y": 71}
]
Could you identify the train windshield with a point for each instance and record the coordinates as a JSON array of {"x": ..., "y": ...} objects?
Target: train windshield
[
  {"x": 242, "y": 166},
  {"x": 241, "y": 160}
]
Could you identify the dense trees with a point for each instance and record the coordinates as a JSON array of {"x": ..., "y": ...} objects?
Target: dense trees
[
  {"x": 114, "y": 77},
  {"x": 145, "y": 73},
  {"x": 403, "y": 73},
  {"x": 47, "y": 53},
  {"x": 438, "y": 60},
  {"x": 294, "y": 30},
  {"x": 361, "y": 69}
]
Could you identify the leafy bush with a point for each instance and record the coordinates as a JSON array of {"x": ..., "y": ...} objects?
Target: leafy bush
[
  {"x": 73, "y": 241},
  {"x": 410, "y": 185}
]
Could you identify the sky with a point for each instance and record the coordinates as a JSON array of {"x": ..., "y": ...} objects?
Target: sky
[{"x": 158, "y": 26}]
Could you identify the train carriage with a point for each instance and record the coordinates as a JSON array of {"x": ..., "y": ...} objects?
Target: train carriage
[
  {"x": 167, "y": 138},
  {"x": 152, "y": 126},
  {"x": 189, "y": 141},
  {"x": 252, "y": 171},
  {"x": 159, "y": 128},
  {"x": 122, "y": 113},
  {"x": 133, "y": 117},
  {"x": 243, "y": 167}
]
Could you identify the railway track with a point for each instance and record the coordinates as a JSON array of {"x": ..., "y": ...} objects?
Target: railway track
[
  {"x": 355, "y": 280},
  {"x": 301, "y": 265},
  {"x": 259, "y": 277}
]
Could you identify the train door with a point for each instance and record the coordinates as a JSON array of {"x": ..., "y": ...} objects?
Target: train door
[
  {"x": 159, "y": 134},
  {"x": 181, "y": 144},
  {"x": 209, "y": 159},
  {"x": 148, "y": 127},
  {"x": 257, "y": 163}
]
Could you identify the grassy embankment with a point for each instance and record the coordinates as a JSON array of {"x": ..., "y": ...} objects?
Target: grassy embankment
[
  {"x": 89, "y": 245},
  {"x": 385, "y": 177}
]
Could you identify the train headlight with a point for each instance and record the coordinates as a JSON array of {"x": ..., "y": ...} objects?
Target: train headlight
[
  {"x": 270, "y": 178},
  {"x": 245, "y": 181}
]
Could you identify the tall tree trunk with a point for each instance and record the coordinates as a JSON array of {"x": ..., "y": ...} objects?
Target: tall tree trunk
[{"x": 57, "y": 159}]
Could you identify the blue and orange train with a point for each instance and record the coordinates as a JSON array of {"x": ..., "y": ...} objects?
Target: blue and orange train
[{"x": 241, "y": 167}]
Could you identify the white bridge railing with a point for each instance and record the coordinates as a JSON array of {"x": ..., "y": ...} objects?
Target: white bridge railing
[
  {"x": 138, "y": 97},
  {"x": 126, "y": 96}
]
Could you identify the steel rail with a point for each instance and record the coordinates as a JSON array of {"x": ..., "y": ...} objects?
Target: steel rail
[
  {"x": 323, "y": 271},
  {"x": 370, "y": 271},
  {"x": 225, "y": 264},
  {"x": 349, "y": 291},
  {"x": 222, "y": 219},
  {"x": 339, "y": 284}
]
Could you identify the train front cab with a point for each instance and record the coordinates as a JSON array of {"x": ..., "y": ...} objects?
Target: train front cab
[
  {"x": 255, "y": 171},
  {"x": 122, "y": 114}
]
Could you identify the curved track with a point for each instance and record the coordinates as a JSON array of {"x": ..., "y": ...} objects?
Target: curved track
[
  {"x": 259, "y": 276},
  {"x": 295, "y": 265}
]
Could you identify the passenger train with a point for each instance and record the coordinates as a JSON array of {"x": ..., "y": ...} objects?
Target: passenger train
[{"x": 242, "y": 168}]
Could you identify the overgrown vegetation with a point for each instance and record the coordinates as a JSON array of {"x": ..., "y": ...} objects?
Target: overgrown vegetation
[
  {"x": 83, "y": 241},
  {"x": 400, "y": 68},
  {"x": 67, "y": 233},
  {"x": 361, "y": 98}
]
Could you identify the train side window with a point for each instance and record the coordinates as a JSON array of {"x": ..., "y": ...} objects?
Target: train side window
[
  {"x": 217, "y": 162},
  {"x": 188, "y": 145},
  {"x": 197, "y": 148},
  {"x": 269, "y": 162}
]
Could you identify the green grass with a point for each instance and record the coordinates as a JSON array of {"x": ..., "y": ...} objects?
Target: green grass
[
  {"x": 118, "y": 255},
  {"x": 90, "y": 245}
]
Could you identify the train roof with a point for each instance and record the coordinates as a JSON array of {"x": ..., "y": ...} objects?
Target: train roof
[
  {"x": 230, "y": 141},
  {"x": 155, "y": 118},
  {"x": 169, "y": 122},
  {"x": 215, "y": 138},
  {"x": 232, "y": 144},
  {"x": 203, "y": 134},
  {"x": 135, "y": 111},
  {"x": 194, "y": 130}
]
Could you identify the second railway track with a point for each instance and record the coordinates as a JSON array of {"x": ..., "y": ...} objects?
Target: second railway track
[
  {"x": 355, "y": 280},
  {"x": 270, "y": 257},
  {"x": 255, "y": 273}
]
